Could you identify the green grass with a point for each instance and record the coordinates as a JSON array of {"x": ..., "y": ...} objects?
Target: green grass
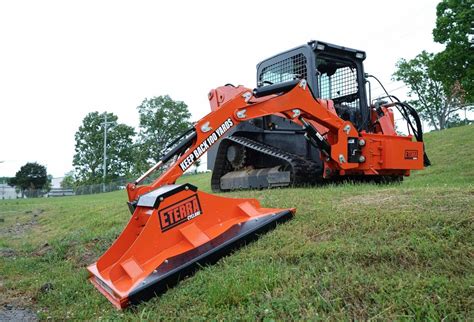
[{"x": 354, "y": 251}]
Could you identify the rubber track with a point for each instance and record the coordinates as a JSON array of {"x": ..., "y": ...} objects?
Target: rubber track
[{"x": 303, "y": 171}]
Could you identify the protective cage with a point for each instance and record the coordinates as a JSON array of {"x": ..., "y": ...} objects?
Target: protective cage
[{"x": 285, "y": 70}]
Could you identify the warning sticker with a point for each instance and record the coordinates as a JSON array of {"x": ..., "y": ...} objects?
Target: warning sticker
[{"x": 206, "y": 144}]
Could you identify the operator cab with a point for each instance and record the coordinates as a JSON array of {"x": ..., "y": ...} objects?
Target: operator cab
[{"x": 332, "y": 72}]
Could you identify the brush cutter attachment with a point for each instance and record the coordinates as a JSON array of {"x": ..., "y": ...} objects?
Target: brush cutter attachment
[{"x": 174, "y": 229}]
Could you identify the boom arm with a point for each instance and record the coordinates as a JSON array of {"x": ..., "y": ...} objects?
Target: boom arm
[{"x": 296, "y": 104}]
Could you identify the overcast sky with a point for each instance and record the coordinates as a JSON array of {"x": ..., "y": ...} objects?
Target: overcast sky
[{"x": 60, "y": 60}]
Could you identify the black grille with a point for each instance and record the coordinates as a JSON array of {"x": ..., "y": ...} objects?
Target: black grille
[
  {"x": 337, "y": 81},
  {"x": 285, "y": 70},
  {"x": 342, "y": 83}
]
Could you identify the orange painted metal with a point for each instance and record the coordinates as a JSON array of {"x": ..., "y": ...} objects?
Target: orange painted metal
[
  {"x": 238, "y": 109},
  {"x": 187, "y": 220},
  {"x": 384, "y": 124},
  {"x": 387, "y": 154},
  {"x": 145, "y": 244}
]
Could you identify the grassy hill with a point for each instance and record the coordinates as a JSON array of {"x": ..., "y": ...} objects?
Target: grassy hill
[{"x": 353, "y": 251}]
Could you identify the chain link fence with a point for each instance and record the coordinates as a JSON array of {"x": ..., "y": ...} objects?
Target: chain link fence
[
  {"x": 120, "y": 184},
  {"x": 7, "y": 192},
  {"x": 58, "y": 190}
]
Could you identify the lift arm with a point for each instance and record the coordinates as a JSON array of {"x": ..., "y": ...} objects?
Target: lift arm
[{"x": 292, "y": 100}]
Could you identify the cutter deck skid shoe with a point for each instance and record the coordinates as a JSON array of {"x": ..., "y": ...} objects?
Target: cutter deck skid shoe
[{"x": 173, "y": 230}]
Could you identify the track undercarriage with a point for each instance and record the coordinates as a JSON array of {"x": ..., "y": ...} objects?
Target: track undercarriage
[{"x": 248, "y": 164}]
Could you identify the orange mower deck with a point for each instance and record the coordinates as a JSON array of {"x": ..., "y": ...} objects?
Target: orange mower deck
[{"x": 174, "y": 229}]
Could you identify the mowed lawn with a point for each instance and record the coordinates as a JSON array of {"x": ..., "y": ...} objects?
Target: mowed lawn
[{"x": 353, "y": 251}]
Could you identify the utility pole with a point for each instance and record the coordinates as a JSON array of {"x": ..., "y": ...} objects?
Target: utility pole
[
  {"x": 104, "y": 169},
  {"x": 3, "y": 187}
]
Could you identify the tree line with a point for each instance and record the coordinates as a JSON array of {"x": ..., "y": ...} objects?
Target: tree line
[
  {"x": 442, "y": 85},
  {"x": 128, "y": 152}
]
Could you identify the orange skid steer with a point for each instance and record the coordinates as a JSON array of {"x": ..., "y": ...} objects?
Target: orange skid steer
[{"x": 175, "y": 227}]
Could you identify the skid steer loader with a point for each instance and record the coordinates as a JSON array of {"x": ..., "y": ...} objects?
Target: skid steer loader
[
  {"x": 174, "y": 228},
  {"x": 273, "y": 151}
]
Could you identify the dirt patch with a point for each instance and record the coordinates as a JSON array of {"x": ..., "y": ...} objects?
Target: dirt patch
[
  {"x": 43, "y": 250},
  {"x": 11, "y": 313},
  {"x": 20, "y": 228},
  {"x": 37, "y": 212},
  {"x": 23, "y": 226},
  {"x": 86, "y": 259},
  {"x": 320, "y": 236},
  {"x": 374, "y": 199},
  {"x": 14, "y": 305},
  {"x": 8, "y": 252},
  {"x": 82, "y": 255}
]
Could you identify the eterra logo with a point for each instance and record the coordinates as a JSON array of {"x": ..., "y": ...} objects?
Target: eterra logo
[
  {"x": 411, "y": 154},
  {"x": 179, "y": 213}
]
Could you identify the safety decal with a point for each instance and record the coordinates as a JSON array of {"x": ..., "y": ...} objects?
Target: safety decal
[{"x": 206, "y": 144}]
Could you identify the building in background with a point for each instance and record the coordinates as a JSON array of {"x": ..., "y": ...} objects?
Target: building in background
[
  {"x": 7, "y": 192},
  {"x": 57, "y": 191},
  {"x": 56, "y": 182}
]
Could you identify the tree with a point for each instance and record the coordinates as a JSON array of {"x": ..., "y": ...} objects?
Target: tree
[
  {"x": 89, "y": 151},
  {"x": 31, "y": 178},
  {"x": 433, "y": 103},
  {"x": 68, "y": 181},
  {"x": 47, "y": 187},
  {"x": 443, "y": 82},
  {"x": 161, "y": 121},
  {"x": 454, "y": 29},
  {"x": 4, "y": 179}
]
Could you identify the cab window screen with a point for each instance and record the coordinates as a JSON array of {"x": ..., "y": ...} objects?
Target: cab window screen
[
  {"x": 337, "y": 81},
  {"x": 285, "y": 70}
]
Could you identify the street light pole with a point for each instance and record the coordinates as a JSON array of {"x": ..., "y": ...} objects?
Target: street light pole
[{"x": 104, "y": 169}]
